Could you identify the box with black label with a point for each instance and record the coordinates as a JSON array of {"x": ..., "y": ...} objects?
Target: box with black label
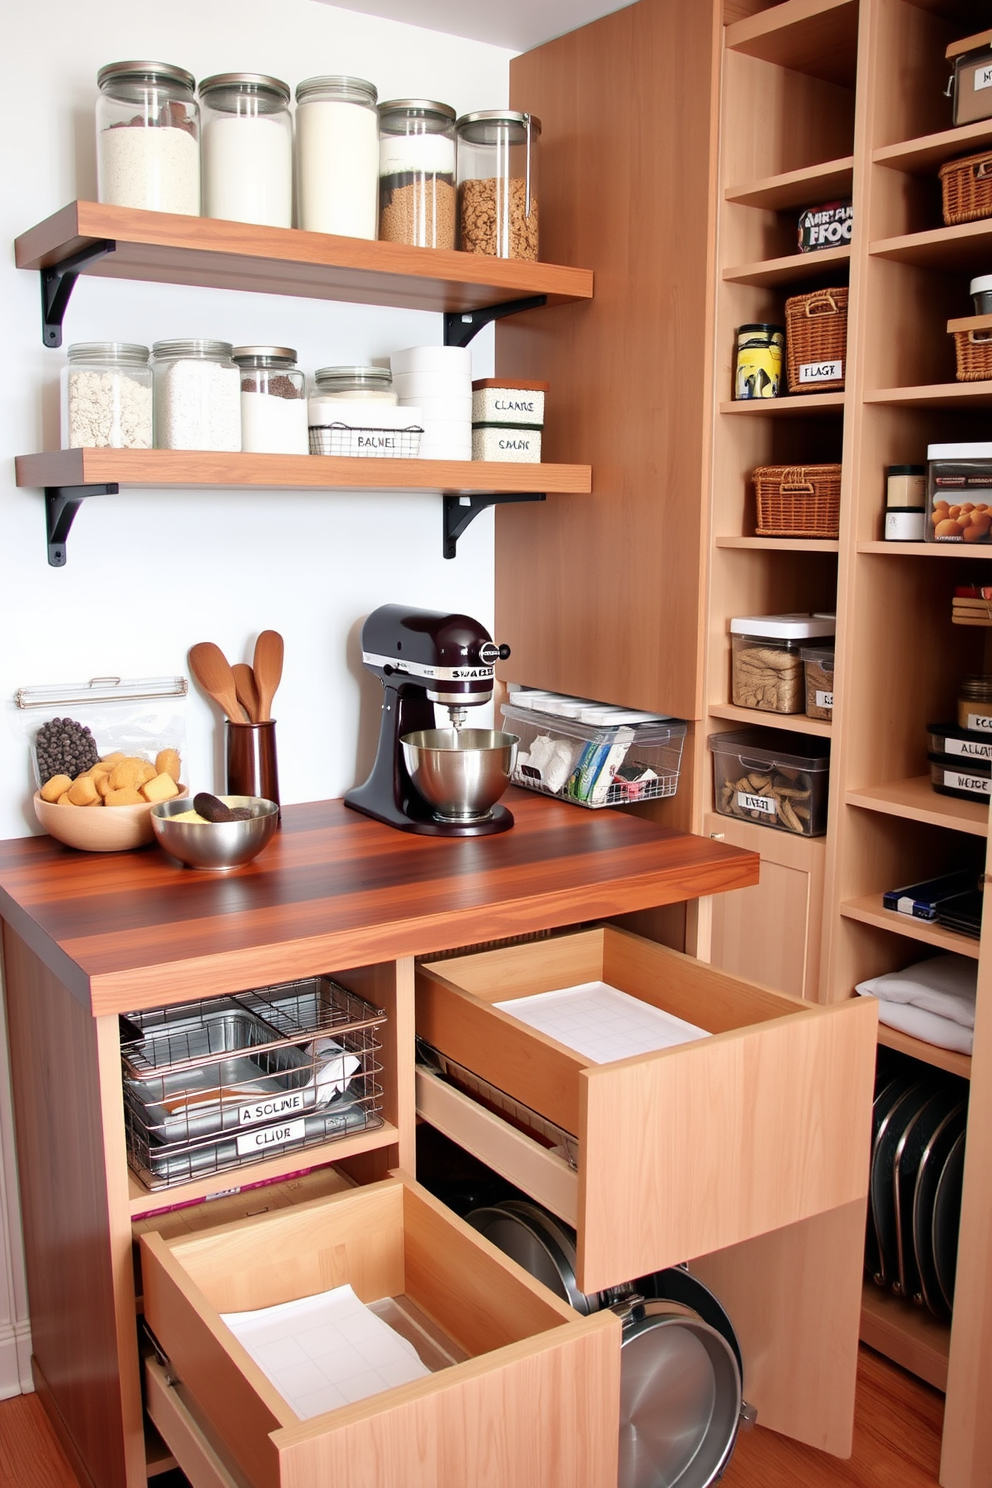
[
  {"x": 959, "y": 494},
  {"x": 968, "y": 780},
  {"x": 972, "y": 60}
]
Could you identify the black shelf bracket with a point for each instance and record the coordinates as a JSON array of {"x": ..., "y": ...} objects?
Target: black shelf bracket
[
  {"x": 61, "y": 505},
  {"x": 461, "y": 326},
  {"x": 57, "y": 283},
  {"x": 461, "y": 511}
]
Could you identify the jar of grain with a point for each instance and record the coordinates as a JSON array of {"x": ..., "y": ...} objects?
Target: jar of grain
[
  {"x": 417, "y": 173},
  {"x": 975, "y": 704},
  {"x": 247, "y": 149},
  {"x": 197, "y": 395},
  {"x": 498, "y": 184},
  {"x": 148, "y": 138},
  {"x": 273, "y": 401},
  {"x": 107, "y": 396},
  {"x": 337, "y": 156}
]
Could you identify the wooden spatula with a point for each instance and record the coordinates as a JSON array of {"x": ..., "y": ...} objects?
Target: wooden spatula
[
  {"x": 212, "y": 670},
  {"x": 244, "y": 681},
  {"x": 267, "y": 667}
]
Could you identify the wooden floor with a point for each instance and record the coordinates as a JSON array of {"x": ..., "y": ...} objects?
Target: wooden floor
[{"x": 896, "y": 1443}]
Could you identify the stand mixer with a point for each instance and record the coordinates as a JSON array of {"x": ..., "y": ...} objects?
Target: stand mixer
[{"x": 442, "y": 782}]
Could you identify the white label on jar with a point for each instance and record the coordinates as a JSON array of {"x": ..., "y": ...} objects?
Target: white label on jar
[
  {"x": 821, "y": 371},
  {"x": 980, "y": 723},
  {"x": 983, "y": 78},
  {"x": 765, "y": 804},
  {"x": 968, "y": 747},
  {"x": 976, "y": 785},
  {"x": 267, "y": 1137},
  {"x": 824, "y": 699},
  {"x": 272, "y": 1107}
]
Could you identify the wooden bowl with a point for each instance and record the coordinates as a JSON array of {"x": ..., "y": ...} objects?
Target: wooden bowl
[{"x": 98, "y": 828}]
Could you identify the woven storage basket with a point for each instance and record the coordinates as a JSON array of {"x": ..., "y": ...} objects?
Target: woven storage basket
[
  {"x": 967, "y": 188},
  {"x": 973, "y": 350},
  {"x": 816, "y": 332},
  {"x": 797, "y": 500}
]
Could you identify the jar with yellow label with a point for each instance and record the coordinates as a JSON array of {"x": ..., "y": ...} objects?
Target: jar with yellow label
[
  {"x": 975, "y": 704},
  {"x": 760, "y": 349}
]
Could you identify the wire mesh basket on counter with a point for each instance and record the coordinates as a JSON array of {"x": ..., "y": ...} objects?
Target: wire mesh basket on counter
[
  {"x": 592, "y": 765},
  {"x": 217, "y": 1083},
  {"x": 379, "y": 444}
]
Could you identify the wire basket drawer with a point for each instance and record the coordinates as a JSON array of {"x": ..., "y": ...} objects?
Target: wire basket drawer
[
  {"x": 595, "y": 766},
  {"x": 217, "y": 1083}
]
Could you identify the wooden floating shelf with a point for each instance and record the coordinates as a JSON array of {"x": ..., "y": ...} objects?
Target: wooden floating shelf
[
  {"x": 945, "y": 1059},
  {"x": 794, "y": 722},
  {"x": 970, "y": 323},
  {"x": 796, "y": 188},
  {"x": 871, "y": 911},
  {"x": 910, "y": 1336},
  {"x": 789, "y": 405},
  {"x": 916, "y": 799},
  {"x": 925, "y": 156},
  {"x": 927, "y": 550},
  {"x": 817, "y": 37},
  {"x": 163, "y": 248},
  {"x": 781, "y": 544},
  {"x": 793, "y": 268},
  {"x": 965, "y": 247},
  {"x": 934, "y": 395}
]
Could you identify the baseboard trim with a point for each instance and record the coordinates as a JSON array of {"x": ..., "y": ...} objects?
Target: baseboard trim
[{"x": 15, "y": 1361}]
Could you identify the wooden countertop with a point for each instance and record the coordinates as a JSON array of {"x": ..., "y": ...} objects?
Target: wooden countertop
[{"x": 334, "y": 890}]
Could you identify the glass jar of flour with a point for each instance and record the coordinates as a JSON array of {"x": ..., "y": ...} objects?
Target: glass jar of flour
[
  {"x": 107, "y": 396},
  {"x": 337, "y": 156},
  {"x": 417, "y": 173},
  {"x": 273, "y": 401},
  {"x": 148, "y": 138},
  {"x": 197, "y": 395},
  {"x": 247, "y": 149}
]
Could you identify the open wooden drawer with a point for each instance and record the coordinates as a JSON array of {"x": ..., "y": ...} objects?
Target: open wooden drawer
[
  {"x": 683, "y": 1151},
  {"x": 535, "y": 1399}
]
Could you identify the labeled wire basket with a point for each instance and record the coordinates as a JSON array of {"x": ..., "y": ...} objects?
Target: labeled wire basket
[
  {"x": 214, "y": 1084},
  {"x": 594, "y": 766},
  {"x": 797, "y": 500},
  {"x": 966, "y": 188},
  {"x": 376, "y": 444}
]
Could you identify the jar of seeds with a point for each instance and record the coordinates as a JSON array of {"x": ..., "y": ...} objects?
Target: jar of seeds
[
  {"x": 417, "y": 173},
  {"x": 498, "y": 183}
]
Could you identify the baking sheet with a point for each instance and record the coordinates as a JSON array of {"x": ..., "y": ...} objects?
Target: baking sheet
[{"x": 600, "y": 1022}]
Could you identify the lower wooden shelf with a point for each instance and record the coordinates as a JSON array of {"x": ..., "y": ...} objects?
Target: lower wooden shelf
[
  {"x": 794, "y": 722},
  {"x": 871, "y": 911},
  {"x": 907, "y": 1335},
  {"x": 945, "y": 1059},
  {"x": 782, "y": 544},
  {"x": 916, "y": 798}
]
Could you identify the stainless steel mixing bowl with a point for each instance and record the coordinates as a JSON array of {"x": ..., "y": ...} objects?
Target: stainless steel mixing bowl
[
  {"x": 461, "y": 772},
  {"x": 215, "y": 846}
]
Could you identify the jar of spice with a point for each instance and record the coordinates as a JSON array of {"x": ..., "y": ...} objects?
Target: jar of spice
[
  {"x": 247, "y": 149},
  {"x": 417, "y": 173},
  {"x": 148, "y": 138},
  {"x": 373, "y": 384},
  {"x": 197, "y": 395},
  {"x": 498, "y": 185},
  {"x": 337, "y": 154},
  {"x": 975, "y": 704},
  {"x": 273, "y": 401},
  {"x": 107, "y": 396}
]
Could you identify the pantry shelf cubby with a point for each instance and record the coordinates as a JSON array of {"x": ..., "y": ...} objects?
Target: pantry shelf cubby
[
  {"x": 792, "y": 268},
  {"x": 795, "y": 188},
  {"x": 870, "y": 910}
]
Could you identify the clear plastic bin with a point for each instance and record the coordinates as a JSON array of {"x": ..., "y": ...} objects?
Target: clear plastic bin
[
  {"x": 818, "y": 666},
  {"x": 772, "y": 778}
]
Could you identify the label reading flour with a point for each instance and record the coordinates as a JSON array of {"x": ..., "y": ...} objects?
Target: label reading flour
[
  {"x": 983, "y": 78},
  {"x": 821, "y": 371},
  {"x": 975, "y": 785},
  {"x": 272, "y": 1107},
  {"x": 824, "y": 699},
  {"x": 267, "y": 1137},
  {"x": 968, "y": 747},
  {"x": 764, "y": 804},
  {"x": 980, "y": 723}
]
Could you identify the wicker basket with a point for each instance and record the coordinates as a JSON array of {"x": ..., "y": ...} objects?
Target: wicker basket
[
  {"x": 967, "y": 188},
  {"x": 815, "y": 338},
  {"x": 973, "y": 350},
  {"x": 797, "y": 500}
]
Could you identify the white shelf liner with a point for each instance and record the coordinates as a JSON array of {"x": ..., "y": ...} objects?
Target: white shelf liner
[{"x": 600, "y": 1022}]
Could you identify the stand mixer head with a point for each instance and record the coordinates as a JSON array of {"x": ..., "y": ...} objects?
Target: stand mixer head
[{"x": 423, "y": 657}]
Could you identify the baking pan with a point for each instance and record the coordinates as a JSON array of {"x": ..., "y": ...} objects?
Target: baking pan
[
  {"x": 931, "y": 1166},
  {"x": 899, "y": 1102},
  {"x": 946, "y": 1219},
  {"x": 923, "y": 1121}
]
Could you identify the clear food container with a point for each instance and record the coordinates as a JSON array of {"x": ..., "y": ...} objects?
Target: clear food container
[
  {"x": 818, "y": 668},
  {"x": 417, "y": 195},
  {"x": 337, "y": 156},
  {"x": 273, "y": 401},
  {"x": 107, "y": 396},
  {"x": 368, "y": 384},
  {"x": 959, "y": 493},
  {"x": 772, "y": 778},
  {"x": 247, "y": 149},
  {"x": 148, "y": 138},
  {"x": 968, "y": 781},
  {"x": 498, "y": 186},
  {"x": 961, "y": 744},
  {"x": 767, "y": 662},
  {"x": 197, "y": 395}
]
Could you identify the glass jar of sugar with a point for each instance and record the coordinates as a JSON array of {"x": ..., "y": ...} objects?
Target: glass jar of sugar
[
  {"x": 107, "y": 396},
  {"x": 373, "y": 384},
  {"x": 497, "y": 183},
  {"x": 273, "y": 401},
  {"x": 417, "y": 173},
  {"x": 337, "y": 156},
  {"x": 148, "y": 138},
  {"x": 197, "y": 395},
  {"x": 247, "y": 149}
]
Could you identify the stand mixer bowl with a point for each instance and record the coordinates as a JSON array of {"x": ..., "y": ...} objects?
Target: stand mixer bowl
[{"x": 461, "y": 772}]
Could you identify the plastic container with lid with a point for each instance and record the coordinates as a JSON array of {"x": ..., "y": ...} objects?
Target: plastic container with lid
[
  {"x": 148, "y": 138},
  {"x": 337, "y": 156},
  {"x": 963, "y": 744},
  {"x": 374, "y": 384},
  {"x": 273, "y": 401},
  {"x": 906, "y": 486},
  {"x": 498, "y": 185},
  {"x": 975, "y": 704},
  {"x": 417, "y": 194},
  {"x": 247, "y": 149},
  {"x": 959, "y": 493},
  {"x": 773, "y": 778},
  {"x": 107, "y": 396},
  {"x": 971, "y": 781},
  {"x": 767, "y": 665},
  {"x": 980, "y": 290},
  {"x": 197, "y": 395},
  {"x": 818, "y": 669}
]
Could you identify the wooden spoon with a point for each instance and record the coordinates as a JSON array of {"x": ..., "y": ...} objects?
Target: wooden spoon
[
  {"x": 244, "y": 681},
  {"x": 212, "y": 670},
  {"x": 268, "y": 670}
]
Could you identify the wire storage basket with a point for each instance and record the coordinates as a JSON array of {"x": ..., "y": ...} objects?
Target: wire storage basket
[
  {"x": 966, "y": 188},
  {"x": 973, "y": 354},
  {"x": 816, "y": 340},
  {"x": 372, "y": 443},
  {"x": 797, "y": 500},
  {"x": 217, "y": 1083},
  {"x": 595, "y": 765}
]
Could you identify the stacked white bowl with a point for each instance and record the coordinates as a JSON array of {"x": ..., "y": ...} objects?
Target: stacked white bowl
[{"x": 438, "y": 381}]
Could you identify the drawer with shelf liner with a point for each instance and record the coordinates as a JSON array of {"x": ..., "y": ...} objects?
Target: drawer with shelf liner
[
  {"x": 520, "y": 1388},
  {"x": 681, "y": 1150}
]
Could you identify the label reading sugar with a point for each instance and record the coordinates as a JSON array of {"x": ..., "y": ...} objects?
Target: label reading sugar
[
  {"x": 824, "y": 699},
  {"x": 272, "y": 1107},
  {"x": 976, "y": 785},
  {"x": 980, "y": 723},
  {"x": 765, "y": 804},
  {"x": 268, "y": 1137},
  {"x": 969, "y": 747},
  {"x": 983, "y": 78},
  {"x": 821, "y": 371}
]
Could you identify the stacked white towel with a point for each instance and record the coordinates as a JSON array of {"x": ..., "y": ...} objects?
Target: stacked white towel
[{"x": 931, "y": 1000}]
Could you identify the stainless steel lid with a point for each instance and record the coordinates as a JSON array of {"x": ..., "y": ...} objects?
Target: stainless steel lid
[
  {"x": 152, "y": 72},
  {"x": 486, "y": 126},
  {"x": 417, "y": 106},
  {"x": 193, "y": 347},
  {"x": 360, "y": 376},
  {"x": 247, "y": 82},
  {"x": 526, "y": 1234},
  {"x": 344, "y": 89},
  {"x": 264, "y": 354}
]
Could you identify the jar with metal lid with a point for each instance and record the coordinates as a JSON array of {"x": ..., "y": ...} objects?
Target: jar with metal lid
[
  {"x": 107, "y": 396},
  {"x": 197, "y": 395},
  {"x": 365, "y": 383},
  {"x": 273, "y": 401},
  {"x": 760, "y": 349},
  {"x": 498, "y": 187},
  {"x": 417, "y": 173},
  {"x": 975, "y": 704},
  {"x": 148, "y": 138},
  {"x": 247, "y": 149},
  {"x": 337, "y": 156}
]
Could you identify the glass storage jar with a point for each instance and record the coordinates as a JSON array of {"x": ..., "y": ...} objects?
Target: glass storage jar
[
  {"x": 417, "y": 173},
  {"x": 498, "y": 184},
  {"x": 148, "y": 138},
  {"x": 107, "y": 396},
  {"x": 197, "y": 395},
  {"x": 365, "y": 383},
  {"x": 975, "y": 704},
  {"x": 337, "y": 156},
  {"x": 273, "y": 401},
  {"x": 247, "y": 149}
]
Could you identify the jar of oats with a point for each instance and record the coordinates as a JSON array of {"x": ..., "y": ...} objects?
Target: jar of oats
[
  {"x": 498, "y": 188},
  {"x": 107, "y": 396},
  {"x": 417, "y": 173}
]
